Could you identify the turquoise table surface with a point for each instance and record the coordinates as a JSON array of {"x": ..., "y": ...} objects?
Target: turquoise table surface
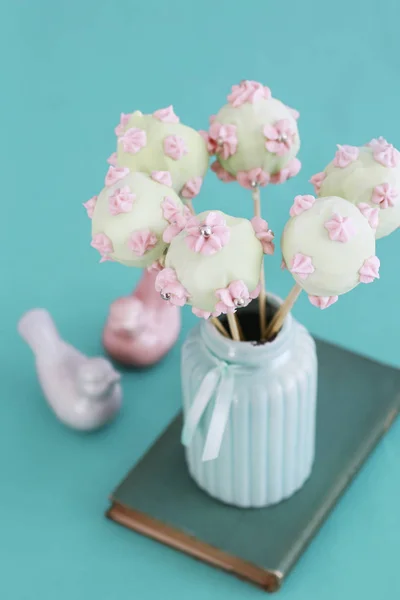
[{"x": 68, "y": 70}]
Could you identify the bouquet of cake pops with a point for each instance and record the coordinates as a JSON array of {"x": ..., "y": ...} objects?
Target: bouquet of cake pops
[{"x": 144, "y": 216}]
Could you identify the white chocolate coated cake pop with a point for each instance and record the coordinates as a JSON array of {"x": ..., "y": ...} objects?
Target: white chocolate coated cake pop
[
  {"x": 255, "y": 137},
  {"x": 159, "y": 142},
  {"x": 369, "y": 177},
  {"x": 133, "y": 217},
  {"x": 214, "y": 264},
  {"x": 329, "y": 248}
]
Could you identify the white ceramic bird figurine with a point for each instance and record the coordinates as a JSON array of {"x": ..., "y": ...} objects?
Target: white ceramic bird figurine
[{"x": 83, "y": 392}]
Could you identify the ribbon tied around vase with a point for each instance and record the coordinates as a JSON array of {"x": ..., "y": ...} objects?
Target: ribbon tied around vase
[{"x": 219, "y": 381}]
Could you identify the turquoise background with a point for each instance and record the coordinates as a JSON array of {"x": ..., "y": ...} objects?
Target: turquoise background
[{"x": 68, "y": 70}]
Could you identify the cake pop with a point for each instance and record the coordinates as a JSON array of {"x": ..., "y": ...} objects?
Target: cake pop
[
  {"x": 159, "y": 142},
  {"x": 254, "y": 137},
  {"x": 329, "y": 248},
  {"x": 133, "y": 216},
  {"x": 369, "y": 177},
  {"x": 213, "y": 264}
]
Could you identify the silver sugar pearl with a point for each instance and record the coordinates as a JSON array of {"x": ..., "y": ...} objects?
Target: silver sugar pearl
[
  {"x": 253, "y": 184},
  {"x": 166, "y": 296},
  {"x": 238, "y": 302},
  {"x": 220, "y": 141},
  {"x": 283, "y": 137},
  {"x": 205, "y": 231}
]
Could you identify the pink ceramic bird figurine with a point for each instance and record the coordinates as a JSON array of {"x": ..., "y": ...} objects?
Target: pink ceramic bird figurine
[
  {"x": 141, "y": 328},
  {"x": 83, "y": 392}
]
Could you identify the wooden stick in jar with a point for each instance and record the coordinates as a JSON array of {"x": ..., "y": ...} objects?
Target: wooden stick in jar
[{"x": 283, "y": 311}]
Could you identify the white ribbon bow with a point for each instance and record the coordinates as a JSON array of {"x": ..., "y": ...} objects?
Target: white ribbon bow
[{"x": 220, "y": 381}]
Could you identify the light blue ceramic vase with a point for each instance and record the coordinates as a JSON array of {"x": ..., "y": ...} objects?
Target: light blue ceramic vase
[{"x": 249, "y": 413}]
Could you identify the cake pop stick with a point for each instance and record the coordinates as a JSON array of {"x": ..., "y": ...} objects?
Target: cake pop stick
[
  {"x": 219, "y": 326},
  {"x": 233, "y": 326},
  {"x": 329, "y": 248},
  {"x": 279, "y": 317},
  {"x": 369, "y": 177},
  {"x": 262, "y": 297}
]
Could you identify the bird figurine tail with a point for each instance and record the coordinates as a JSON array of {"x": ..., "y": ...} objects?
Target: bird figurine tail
[{"x": 37, "y": 328}]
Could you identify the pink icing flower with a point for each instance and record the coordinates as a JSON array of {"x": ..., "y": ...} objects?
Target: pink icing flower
[
  {"x": 155, "y": 267},
  {"x": 142, "y": 241},
  {"x": 264, "y": 234},
  {"x": 170, "y": 209},
  {"x": 280, "y": 137},
  {"x": 317, "y": 180},
  {"x": 300, "y": 204},
  {"x": 291, "y": 170},
  {"x": 222, "y": 173},
  {"x": 102, "y": 243},
  {"x": 177, "y": 224},
  {"x": 163, "y": 177},
  {"x": 370, "y": 213},
  {"x": 340, "y": 229},
  {"x": 345, "y": 155},
  {"x": 121, "y": 201},
  {"x": 207, "y": 237},
  {"x": 385, "y": 195},
  {"x": 192, "y": 187},
  {"x": 370, "y": 270},
  {"x": 248, "y": 91},
  {"x": 256, "y": 292},
  {"x": 166, "y": 115},
  {"x": 224, "y": 136},
  {"x": 295, "y": 113},
  {"x": 302, "y": 265},
  {"x": 170, "y": 288},
  {"x": 202, "y": 314},
  {"x": 112, "y": 159},
  {"x": 133, "y": 140},
  {"x": 210, "y": 143},
  {"x": 114, "y": 174},
  {"x": 283, "y": 264},
  {"x": 385, "y": 153},
  {"x": 235, "y": 296},
  {"x": 175, "y": 147},
  {"x": 323, "y": 302},
  {"x": 90, "y": 205},
  {"x": 124, "y": 120},
  {"x": 253, "y": 178}
]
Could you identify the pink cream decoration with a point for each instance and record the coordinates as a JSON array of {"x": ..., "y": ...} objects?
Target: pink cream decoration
[
  {"x": 142, "y": 241},
  {"x": 302, "y": 265},
  {"x": 384, "y": 153},
  {"x": 192, "y": 187},
  {"x": 114, "y": 174},
  {"x": 323, "y": 302},
  {"x": 256, "y": 292},
  {"x": 222, "y": 173},
  {"x": 170, "y": 209},
  {"x": 210, "y": 143},
  {"x": 102, "y": 243},
  {"x": 317, "y": 180},
  {"x": 385, "y": 195},
  {"x": 90, "y": 205},
  {"x": 224, "y": 136},
  {"x": 291, "y": 170},
  {"x": 175, "y": 147},
  {"x": 283, "y": 264},
  {"x": 280, "y": 137},
  {"x": 177, "y": 224},
  {"x": 155, "y": 267},
  {"x": 370, "y": 270},
  {"x": 202, "y": 314},
  {"x": 121, "y": 201},
  {"x": 235, "y": 296},
  {"x": 295, "y": 113},
  {"x": 124, "y": 120},
  {"x": 207, "y": 237},
  {"x": 166, "y": 115},
  {"x": 264, "y": 234},
  {"x": 370, "y": 213},
  {"x": 170, "y": 288},
  {"x": 133, "y": 140},
  {"x": 248, "y": 91},
  {"x": 163, "y": 177},
  {"x": 345, "y": 155},
  {"x": 112, "y": 159},
  {"x": 300, "y": 204},
  {"x": 340, "y": 229},
  {"x": 253, "y": 178}
]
